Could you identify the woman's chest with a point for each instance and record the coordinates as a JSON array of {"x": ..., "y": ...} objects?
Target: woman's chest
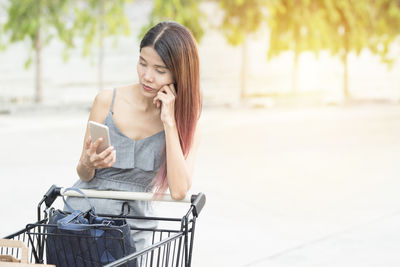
[{"x": 137, "y": 125}]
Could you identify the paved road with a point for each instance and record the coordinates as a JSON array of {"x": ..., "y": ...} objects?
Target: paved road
[{"x": 305, "y": 187}]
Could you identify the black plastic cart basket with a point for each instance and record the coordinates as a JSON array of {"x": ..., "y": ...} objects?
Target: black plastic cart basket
[{"x": 171, "y": 245}]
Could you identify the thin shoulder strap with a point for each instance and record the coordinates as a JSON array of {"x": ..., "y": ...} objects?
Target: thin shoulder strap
[{"x": 112, "y": 101}]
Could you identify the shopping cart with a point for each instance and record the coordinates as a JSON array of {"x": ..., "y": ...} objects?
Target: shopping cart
[{"x": 171, "y": 245}]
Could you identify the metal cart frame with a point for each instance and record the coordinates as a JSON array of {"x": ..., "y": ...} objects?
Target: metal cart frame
[{"x": 172, "y": 246}]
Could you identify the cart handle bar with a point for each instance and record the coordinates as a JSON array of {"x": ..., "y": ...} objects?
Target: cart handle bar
[
  {"x": 123, "y": 195},
  {"x": 198, "y": 201}
]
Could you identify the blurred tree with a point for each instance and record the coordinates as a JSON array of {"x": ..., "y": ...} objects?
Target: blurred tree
[
  {"x": 2, "y": 42},
  {"x": 349, "y": 30},
  {"x": 2, "y": 46},
  {"x": 296, "y": 26},
  {"x": 185, "y": 12},
  {"x": 37, "y": 21},
  {"x": 386, "y": 27},
  {"x": 96, "y": 20},
  {"x": 340, "y": 26},
  {"x": 242, "y": 18},
  {"x": 354, "y": 25}
]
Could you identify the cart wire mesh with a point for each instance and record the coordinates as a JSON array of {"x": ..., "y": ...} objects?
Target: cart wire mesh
[{"x": 170, "y": 246}]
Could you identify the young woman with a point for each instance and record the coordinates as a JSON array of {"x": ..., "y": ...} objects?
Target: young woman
[{"x": 152, "y": 127}]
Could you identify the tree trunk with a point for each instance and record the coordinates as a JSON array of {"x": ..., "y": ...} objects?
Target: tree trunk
[
  {"x": 296, "y": 59},
  {"x": 243, "y": 72},
  {"x": 38, "y": 62},
  {"x": 346, "y": 76},
  {"x": 346, "y": 67},
  {"x": 101, "y": 47},
  {"x": 295, "y": 73}
]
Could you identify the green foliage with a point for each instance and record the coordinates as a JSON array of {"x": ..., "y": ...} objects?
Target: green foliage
[
  {"x": 185, "y": 12},
  {"x": 2, "y": 45},
  {"x": 26, "y": 18},
  {"x": 349, "y": 25},
  {"x": 241, "y": 17},
  {"x": 295, "y": 25},
  {"x": 28, "y": 63},
  {"x": 339, "y": 26},
  {"x": 386, "y": 28},
  {"x": 363, "y": 24},
  {"x": 98, "y": 19}
]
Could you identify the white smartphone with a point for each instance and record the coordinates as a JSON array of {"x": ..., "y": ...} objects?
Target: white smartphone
[{"x": 98, "y": 130}]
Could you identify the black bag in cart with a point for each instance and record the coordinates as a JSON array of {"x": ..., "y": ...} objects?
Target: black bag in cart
[{"x": 85, "y": 239}]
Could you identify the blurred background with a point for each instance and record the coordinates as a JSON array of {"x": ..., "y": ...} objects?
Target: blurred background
[{"x": 301, "y": 118}]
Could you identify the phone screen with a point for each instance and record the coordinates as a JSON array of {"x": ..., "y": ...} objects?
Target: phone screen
[{"x": 98, "y": 130}]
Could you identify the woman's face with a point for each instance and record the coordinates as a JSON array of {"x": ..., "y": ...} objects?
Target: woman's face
[{"x": 153, "y": 73}]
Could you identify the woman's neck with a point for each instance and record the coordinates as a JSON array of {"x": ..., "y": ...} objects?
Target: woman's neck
[{"x": 142, "y": 102}]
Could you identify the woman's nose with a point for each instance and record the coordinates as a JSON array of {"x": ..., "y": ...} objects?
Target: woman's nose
[{"x": 148, "y": 76}]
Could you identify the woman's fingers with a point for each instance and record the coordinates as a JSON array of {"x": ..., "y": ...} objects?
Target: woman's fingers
[
  {"x": 171, "y": 89},
  {"x": 88, "y": 142},
  {"x": 110, "y": 159},
  {"x": 160, "y": 99},
  {"x": 166, "y": 99},
  {"x": 156, "y": 101},
  {"x": 167, "y": 93},
  {"x": 106, "y": 158},
  {"x": 95, "y": 145},
  {"x": 102, "y": 160},
  {"x": 106, "y": 153}
]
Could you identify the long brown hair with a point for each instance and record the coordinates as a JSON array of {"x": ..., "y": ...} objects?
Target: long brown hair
[{"x": 178, "y": 49}]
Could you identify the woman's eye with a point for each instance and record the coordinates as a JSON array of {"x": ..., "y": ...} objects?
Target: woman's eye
[
  {"x": 142, "y": 64},
  {"x": 160, "y": 71}
]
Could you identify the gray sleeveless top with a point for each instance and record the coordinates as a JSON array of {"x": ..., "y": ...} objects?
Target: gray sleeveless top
[{"x": 137, "y": 163}]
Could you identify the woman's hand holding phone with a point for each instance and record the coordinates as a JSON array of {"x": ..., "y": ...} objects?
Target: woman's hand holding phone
[{"x": 93, "y": 160}]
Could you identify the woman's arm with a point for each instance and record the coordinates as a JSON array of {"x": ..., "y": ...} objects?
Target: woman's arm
[
  {"x": 179, "y": 169},
  {"x": 90, "y": 160}
]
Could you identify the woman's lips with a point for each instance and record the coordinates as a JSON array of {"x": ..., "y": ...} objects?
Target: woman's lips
[{"x": 147, "y": 88}]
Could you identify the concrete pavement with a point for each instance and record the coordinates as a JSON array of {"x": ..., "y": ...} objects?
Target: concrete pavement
[{"x": 304, "y": 187}]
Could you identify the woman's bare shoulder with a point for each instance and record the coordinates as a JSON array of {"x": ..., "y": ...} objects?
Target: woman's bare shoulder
[
  {"x": 101, "y": 105},
  {"x": 103, "y": 100},
  {"x": 104, "y": 97}
]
